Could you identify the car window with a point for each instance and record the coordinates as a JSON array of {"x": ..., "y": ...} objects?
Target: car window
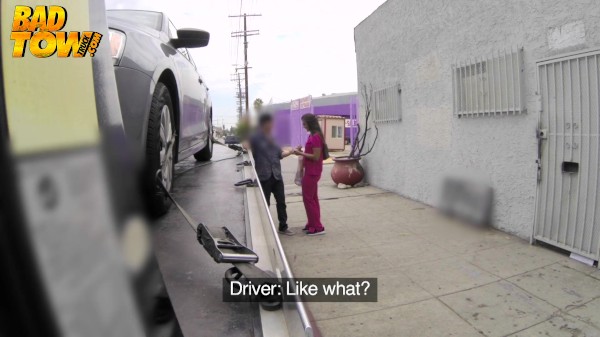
[
  {"x": 146, "y": 18},
  {"x": 185, "y": 53},
  {"x": 173, "y": 35},
  {"x": 191, "y": 58},
  {"x": 172, "y": 30}
]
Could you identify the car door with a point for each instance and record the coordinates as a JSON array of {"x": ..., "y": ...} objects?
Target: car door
[
  {"x": 206, "y": 107},
  {"x": 191, "y": 122}
]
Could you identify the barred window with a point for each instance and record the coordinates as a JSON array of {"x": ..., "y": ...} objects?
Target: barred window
[
  {"x": 489, "y": 86},
  {"x": 388, "y": 104}
]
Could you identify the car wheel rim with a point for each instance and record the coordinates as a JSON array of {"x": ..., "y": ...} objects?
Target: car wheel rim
[{"x": 166, "y": 156}]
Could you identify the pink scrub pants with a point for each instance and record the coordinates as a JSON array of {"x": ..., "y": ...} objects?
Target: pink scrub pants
[{"x": 311, "y": 202}]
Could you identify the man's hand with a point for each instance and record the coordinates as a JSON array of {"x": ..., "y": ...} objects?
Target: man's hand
[{"x": 286, "y": 153}]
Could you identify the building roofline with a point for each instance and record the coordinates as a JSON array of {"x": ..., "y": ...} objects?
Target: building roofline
[
  {"x": 337, "y": 98},
  {"x": 368, "y": 16}
]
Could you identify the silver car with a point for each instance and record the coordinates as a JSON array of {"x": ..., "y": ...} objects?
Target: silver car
[{"x": 165, "y": 103}]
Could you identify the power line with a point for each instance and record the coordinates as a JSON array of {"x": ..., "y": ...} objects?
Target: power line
[{"x": 245, "y": 33}]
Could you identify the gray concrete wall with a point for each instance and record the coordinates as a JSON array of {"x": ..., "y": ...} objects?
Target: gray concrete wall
[{"x": 415, "y": 43}]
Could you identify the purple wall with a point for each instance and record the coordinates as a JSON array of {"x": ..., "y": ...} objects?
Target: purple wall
[
  {"x": 282, "y": 127},
  {"x": 288, "y": 125},
  {"x": 344, "y": 110},
  {"x": 298, "y": 134}
]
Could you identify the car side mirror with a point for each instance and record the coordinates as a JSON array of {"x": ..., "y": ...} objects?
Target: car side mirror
[{"x": 191, "y": 38}]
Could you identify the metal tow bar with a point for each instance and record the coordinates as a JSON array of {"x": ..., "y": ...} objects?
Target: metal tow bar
[{"x": 223, "y": 247}]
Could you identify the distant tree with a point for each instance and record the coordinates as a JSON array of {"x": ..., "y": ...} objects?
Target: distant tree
[
  {"x": 258, "y": 104},
  {"x": 242, "y": 128}
]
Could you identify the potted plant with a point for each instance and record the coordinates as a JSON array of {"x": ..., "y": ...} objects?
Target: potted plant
[{"x": 347, "y": 170}]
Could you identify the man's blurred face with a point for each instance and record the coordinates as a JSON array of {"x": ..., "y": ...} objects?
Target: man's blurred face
[{"x": 267, "y": 127}]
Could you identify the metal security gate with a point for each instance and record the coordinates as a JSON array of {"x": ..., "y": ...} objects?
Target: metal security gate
[{"x": 568, "y": 204}]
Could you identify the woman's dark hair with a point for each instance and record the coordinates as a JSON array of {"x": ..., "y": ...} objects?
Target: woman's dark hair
[{"x": 313, "y": 125}]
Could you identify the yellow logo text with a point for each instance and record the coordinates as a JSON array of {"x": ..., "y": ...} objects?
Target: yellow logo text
[{"x": 40, "y": 28}]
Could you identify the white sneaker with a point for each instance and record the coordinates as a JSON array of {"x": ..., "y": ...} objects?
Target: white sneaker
[
  {"x": 287, "y": 232},
  {"x": 316, "y": 233}
]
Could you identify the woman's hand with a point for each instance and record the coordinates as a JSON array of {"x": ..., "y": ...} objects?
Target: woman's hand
[
  {"x": 311, "y": 156},
  {"x": 286, "y": 153}
]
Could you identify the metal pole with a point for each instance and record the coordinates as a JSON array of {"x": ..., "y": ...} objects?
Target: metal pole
[
  {"x": 245, "y": 33},
  {"x": 246, "y": 68}
]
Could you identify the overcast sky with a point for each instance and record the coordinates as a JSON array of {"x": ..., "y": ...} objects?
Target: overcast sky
[{"x": 305, "y": 47}]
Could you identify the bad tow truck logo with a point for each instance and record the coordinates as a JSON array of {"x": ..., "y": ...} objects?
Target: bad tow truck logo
[{"x": 40, "y": 29}]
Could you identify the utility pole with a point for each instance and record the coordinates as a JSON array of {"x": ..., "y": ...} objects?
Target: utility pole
[
  {"x": 245, "y": 33},
  {"x": 239, "y": 94}
]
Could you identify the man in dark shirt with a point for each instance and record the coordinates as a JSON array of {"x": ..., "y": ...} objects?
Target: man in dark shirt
[{"x": 267, "y": 159}]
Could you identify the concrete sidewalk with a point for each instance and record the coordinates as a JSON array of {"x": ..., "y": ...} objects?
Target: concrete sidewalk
[{"x": 437, "y": 277}]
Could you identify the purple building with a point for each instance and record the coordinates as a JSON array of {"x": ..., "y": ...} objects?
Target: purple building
[{"x": 288, "y": 126}]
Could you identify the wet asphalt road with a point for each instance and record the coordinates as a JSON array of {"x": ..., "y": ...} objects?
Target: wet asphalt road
[{"x": 192, "y": 277}]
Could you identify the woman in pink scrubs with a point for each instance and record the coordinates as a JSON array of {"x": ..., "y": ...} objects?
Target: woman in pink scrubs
[{"x": 313, "y": 166}]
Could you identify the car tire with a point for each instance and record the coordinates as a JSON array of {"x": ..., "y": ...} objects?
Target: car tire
[
  {"x": 207, "y": 152},
  {"x": 161, "y": 132}
]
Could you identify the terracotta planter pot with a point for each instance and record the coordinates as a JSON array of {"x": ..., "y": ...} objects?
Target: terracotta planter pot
[{"x": 347, "y": 171}]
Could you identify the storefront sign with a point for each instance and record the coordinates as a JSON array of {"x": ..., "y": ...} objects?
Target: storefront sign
[
  {"x": 301, "y": 104},
  {"x": 349, "y": 123}
]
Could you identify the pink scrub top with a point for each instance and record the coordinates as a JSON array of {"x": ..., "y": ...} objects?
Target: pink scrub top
[{"x": 313, "y": 167}]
